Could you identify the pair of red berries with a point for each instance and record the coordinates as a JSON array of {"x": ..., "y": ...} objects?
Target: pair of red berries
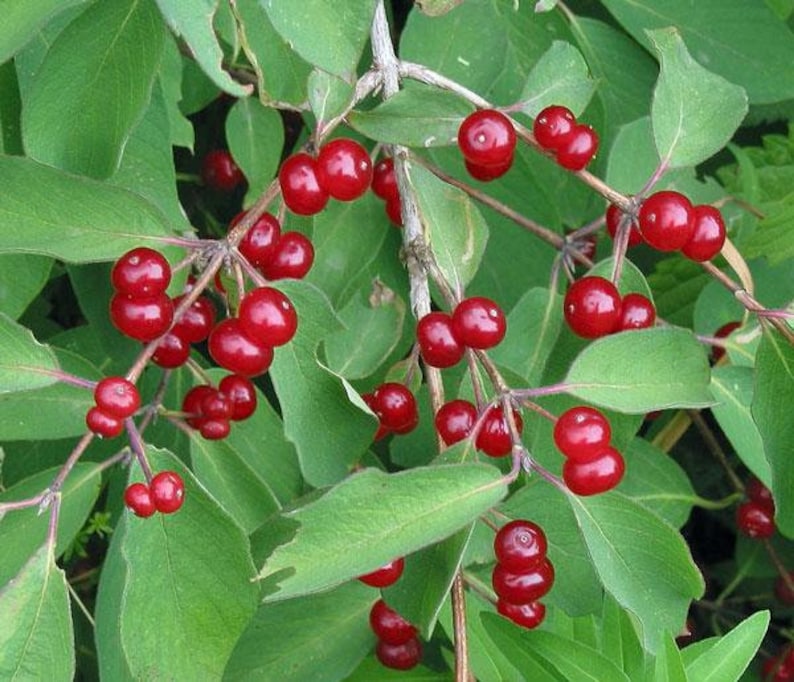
[
  {"x": 523, "y": 573},
  {"x": 342, "y": 170},
  {"x": 210, "y": 409},
  {"x": 582, "y": 434},
  {"x": 384, "y": 186},
  {"x": 165, "y": 494},
  {"x": 398, "y": 646},
  {"x": 476, "y": 322},
  {"x": 755, "y": 518},
  {"x": 115, "y": 399},
  {"x": 395, "y": 407},
  {"x": 593, "y": 308},
  {"x": 219, "y": 171},
  {"x": 487, "y": 140},
  {"x": 455, "y": 421},
  {"x": 572, "y": 144}
]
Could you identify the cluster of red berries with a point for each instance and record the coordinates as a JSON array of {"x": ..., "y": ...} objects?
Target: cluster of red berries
[
  {"x": 455, "y": 421},
  {"x": 572, "y": 144},
  {"x": 593, "y": 307},
  {"x": 592, "y": 466},
  {"x": 755, "y": 518},
  {"x": 487, "y": 140},
  {"x": 165, "y": 494},
  {"x": 115, "y": 399},
  {"x": 210, "y": 410},
  {"x": 219, "y": 171},
  {"x": 384, "y": 186},
  {"x": 395, "y": 407},
  {"x": 523, "y": 573}
]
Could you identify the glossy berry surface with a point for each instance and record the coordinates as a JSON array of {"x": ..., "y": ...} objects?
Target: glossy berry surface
[
  {"x": 759, "y": 493},
  {"x": 487, "y": 138},
  {"x": 386, "y": 575},
  {"x": 438, "y": 344},
  {"x": 526, "y": 615},
  {"x": 142, "y": 319},
  {"x": 581, "y": 433},
  {"x": 478, "y": 322},
  {"x": 219, "y": 171},
  {"x": 394, "y": 209},
  {"x": 191, "y": 404},
  {"x": 553, "y": 126},
  {"x": 117, "y": 397},
  {"x": 300, "y": 186},
  {"x": 579, "y": 149},
  {"x": 384, "y": 181},
  {"x": 268, "y": 316},
  {"x": 168, "y": 491},
  {"x": 231, "y": 348},
  {"x": 636, "y": 312},
  {"x": 488, "y": 173},
  {"x": 197, "y": 321},
  {"x": 523, "y": 587},
  {"x": 292, "y": 259},
  {"x": 592, "y": 307},
  {"x": 493, "y": 438},
  {"x": 613, "y": 218},
  {"x": 708, "y": 235},
  {"x": 344, "y": 169},
  {"x": 216, "y": 405},
  {"x": 395, "y": 406},
  {"x": 141, "y": 273},
  {"x": 666, "y": 220},
  {"x": 172, "y": 351},
  {"x": 595, "y": 476},
  {"x": 138, "y": 500},
  {"x": 258, "y": 244},
  {"x": 214, "y": 429},
  {"x": 755, "y": 520},
  {"x": 399, "y": 656},
  {"x": 455, "y": 420},
  {"x": 520, "y": 546},
  {"x": 102, "y": 424},
  {"x": 242, "y": 395},
  {"x": 388, "y": 625}
]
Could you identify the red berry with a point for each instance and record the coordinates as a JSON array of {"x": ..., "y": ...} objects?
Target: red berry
[
  {"x": 396, "y": 407},
  {"x": 520, "y": 546},
  {"x": 596, "y": 475},
  {"x": 242, "y": 394},
  {"x": 191, "y": 404},
  {"x": 758, "y": 492},
  {"x": 478, "y": 322},
  {"x": 216, "y": 405},
  {"x": 394, "y": 209},
  {"x": 779, "y": 668},
  {"x": 219, "y": 171},
  {"x": 487, "y": 138},
  {"x": 143, "y": 319},
  {"x": 488, "y": 173},
  {"x": 579, "y": 149},
  {"x": 708, "y": 235},
  {"x": 755, "y": 520},
  {"x": 292, "y": 259},
  {"x": 197, "y": 320},
  {"x": 455, "y": 420},
  {"x": 233, "y": 349},
  {"x": 437, "y": 341},
  {"x": 138, "y": 500},
  {"x": 117, "y": 397},
  {"x": 667, "y": 220},
  {"x": 172, "y": 351},
  {"x": 384, "y": 181},
  {"x": 386, "y": 575},
  {"x": 214, "y": 429},
  {"x": 141, "y": 273},
  {"x": 523, "y": 587},
  {"x": 582, "y": 433},
  {"x": 103, "y": 424},
  {"x": 592, "y": 307},
  {"x": 344, "y": 169},
  {"x": 168, "y": 491},
  {"x": 399, "y": 656},
  {"x": 268, "y": 316},
  {"x": 494, "y": 438},
  {"x": 723, "y": 332},
  {"x": 526, "y": 615},
  {"x": 300, "y": 186},
  {"x": 553, "y": 127},
  {"x": 613, "y": 217},
  {"x": 636, "y": 312},
  {"x": 258, "y": 244},
  {"x": 382, "y": 431},
  {"x": 388, "y": 625}
]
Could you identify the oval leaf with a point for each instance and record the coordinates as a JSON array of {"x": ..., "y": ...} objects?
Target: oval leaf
[{"x": 24, "y": 363}]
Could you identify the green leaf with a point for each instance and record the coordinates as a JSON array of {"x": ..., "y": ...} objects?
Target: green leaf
[
  {"x": 194, "y": 22},
  {"x": 669, "y": 666},
  {"x": 25, "y": 363},
  {"x": 329, "y": 96},
  {"x": 643, "y": 370},
  {"x": 560, "y": 76},
  {"x": 379, "y": 517},
  {"x": 631, "y": 278},
  {"x": 627, "y": 561},
  {"x": 772, "y": 238},
  {"x": 435, "y": 8},
  {"x": 695, "y": 112},
  {"x": 320, "y": 637},
  {"x": 36, "y": 636},
  {"x": 455, "y": 227},
  {"x": 93, "y": 55},
  {"x": 10, "y": 111},
  {"x": 417, "y": 116},
  {"x": 170, "y": 76},
  {"x": 22, "y": 277},
  {"x": 732, "y": 654},
  {"x": 335, "y": 36},
  {"x": 772, "y": 400},
  {"x": 23, "y": 19},
  {"x": 46, "y": 211}
]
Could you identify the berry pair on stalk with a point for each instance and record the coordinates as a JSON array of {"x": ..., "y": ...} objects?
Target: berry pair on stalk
[
  {"x": 487, "y": 141},
  {"x": 115, "y": 399},
  {"x": 395, "y": 407},
  {"x": 572, "y": 144},
  {"x": 165, "y": 494},
  {"x": 593, "y": 307}
]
